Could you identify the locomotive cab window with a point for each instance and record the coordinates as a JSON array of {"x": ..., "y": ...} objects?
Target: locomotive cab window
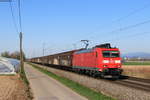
[{"x": 112, "y": 54}]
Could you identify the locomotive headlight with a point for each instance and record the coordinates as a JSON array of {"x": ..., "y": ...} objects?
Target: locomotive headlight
[
  {"x": 117, "y": 61},
  {"x": 105, "y": 61},
  {"x": 105, "y": 66}
]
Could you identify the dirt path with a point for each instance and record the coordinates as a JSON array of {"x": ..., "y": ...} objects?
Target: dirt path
[{"x": 46, "y": 88}]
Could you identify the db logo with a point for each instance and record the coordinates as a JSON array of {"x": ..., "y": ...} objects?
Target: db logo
[{"x": 111, "y": 61}]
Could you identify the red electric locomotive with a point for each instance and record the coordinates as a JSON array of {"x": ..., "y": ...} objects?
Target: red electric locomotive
[{"x": 101, "y": 60}]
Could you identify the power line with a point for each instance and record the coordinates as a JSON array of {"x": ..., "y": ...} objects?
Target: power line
[
  {"x": 13, "y": 17},
  {"x": 19, "y": 16},
  {"x": 20, "y": 20}
]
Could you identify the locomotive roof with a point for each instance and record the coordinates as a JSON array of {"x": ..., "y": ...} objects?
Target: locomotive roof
[
  {"x": 92, "y": 49},
  {"x": 84, "y": 51}
]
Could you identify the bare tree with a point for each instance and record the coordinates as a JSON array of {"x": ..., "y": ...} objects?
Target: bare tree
[
  {"x": 15, "y": 55},
  {"x": 5, "y": 54}
]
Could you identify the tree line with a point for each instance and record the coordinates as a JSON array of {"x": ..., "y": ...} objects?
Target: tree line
[{"x": 15, "y": 55}]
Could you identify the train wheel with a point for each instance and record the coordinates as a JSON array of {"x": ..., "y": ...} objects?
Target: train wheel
[
  {"x": 102, "y": 75},
  {"x": 115, "y": 77}
]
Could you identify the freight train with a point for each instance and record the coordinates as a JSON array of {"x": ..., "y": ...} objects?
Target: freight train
[{"x": 99, "y": 61}]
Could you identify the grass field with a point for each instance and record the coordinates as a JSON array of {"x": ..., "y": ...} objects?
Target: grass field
[
  {"x": 136, "y": 63},
  {"x": 140, "y": 71},
  {"x": 12, "y": 88},
  {"x": 82, "y": 90}
]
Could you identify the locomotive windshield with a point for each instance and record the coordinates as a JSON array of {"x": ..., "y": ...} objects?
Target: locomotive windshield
[{"x": 113, "y": 54}]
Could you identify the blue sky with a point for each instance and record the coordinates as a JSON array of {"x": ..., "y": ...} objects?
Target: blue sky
[{"x": 61, "y": 24}]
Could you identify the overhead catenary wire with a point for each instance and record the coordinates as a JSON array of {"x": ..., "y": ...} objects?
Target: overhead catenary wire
[
  {"x": 130, "y": 26},
  {"x": 132, "y": 13},
  {"x": 125, "y": 17},
  {"x": 128, "y": 36}
]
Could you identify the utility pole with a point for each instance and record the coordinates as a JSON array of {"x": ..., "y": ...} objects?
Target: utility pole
[
  {"x": 43, "y": 52},
  {"x": 20, "y": 36},
  {"x": 21, "y": 52},
  {"x": 43, "y": 49}
]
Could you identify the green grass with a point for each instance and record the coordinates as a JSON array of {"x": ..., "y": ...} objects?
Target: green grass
[
  {"x": 82, "y": 90},
  {"x": 25, "y": 80},
  {"x": 23, "y": 76},
  {"x": 7, "y": 74},
  {"x": 136, "y": 63}
]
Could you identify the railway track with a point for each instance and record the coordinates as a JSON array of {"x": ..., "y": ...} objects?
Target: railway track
[
  {"x": 137, "y": 83},
  {"x": 132, "y": 82}
]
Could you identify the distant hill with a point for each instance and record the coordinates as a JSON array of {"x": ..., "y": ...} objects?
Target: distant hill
[{"x": 137, "y": 55}]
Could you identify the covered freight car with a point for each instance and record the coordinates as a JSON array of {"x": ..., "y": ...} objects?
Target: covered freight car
[{"x": 63, "y": 59}]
